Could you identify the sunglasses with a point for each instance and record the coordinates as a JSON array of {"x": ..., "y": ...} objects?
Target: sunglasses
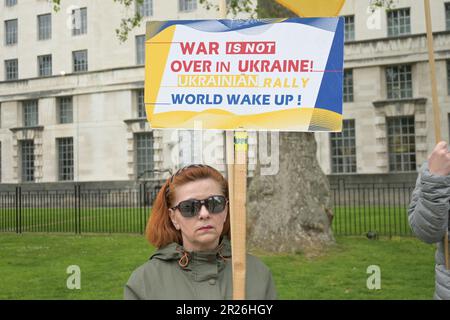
[{"x": 190, "y": 208}]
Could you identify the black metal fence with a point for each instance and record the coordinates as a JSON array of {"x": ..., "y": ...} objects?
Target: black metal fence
[
  {"x": 378, "y": 208},
  {"x": 77, "y": 210},
  {"x": 357, "y": 209}
]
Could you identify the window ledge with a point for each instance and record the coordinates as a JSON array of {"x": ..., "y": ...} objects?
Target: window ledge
[
  {"x": 383, "y": 103},
  {"x": 130, "y": 121},
  {"x": 37, "y": 128},
  {"x": 399, "y": 37}
]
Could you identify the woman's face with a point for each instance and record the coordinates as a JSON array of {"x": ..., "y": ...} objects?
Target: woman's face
[{"x": 201, "y": 232}]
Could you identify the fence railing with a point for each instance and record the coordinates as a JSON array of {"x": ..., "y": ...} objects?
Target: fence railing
[
  {"x": 77, "y": 210},
  {"x": 378, "y": 208},
  {"x": 357, "y": 209}
]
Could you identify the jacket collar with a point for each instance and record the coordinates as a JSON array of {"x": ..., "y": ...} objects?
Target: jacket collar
[{"x": 200, "y": 265}]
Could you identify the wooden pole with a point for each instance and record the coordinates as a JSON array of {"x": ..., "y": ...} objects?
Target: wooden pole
[
  {"x": 236, "y": 156},
  {"x": 434, "y": 96},
  {"x": 238, "y": 229},
  {"x": 223, "y": 9},
  {"x": 230, "y": 163},
  {"x": 230, "y": 168}
]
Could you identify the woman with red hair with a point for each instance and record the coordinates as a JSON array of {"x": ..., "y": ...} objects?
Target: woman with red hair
[{"x": 190, "y": 226}]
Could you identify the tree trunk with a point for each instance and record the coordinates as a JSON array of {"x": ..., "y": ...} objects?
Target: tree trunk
[{"x": 290, "y": 211}]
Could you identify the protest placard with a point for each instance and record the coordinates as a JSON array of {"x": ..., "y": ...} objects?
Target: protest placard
[{"x": 280, "y": 74}]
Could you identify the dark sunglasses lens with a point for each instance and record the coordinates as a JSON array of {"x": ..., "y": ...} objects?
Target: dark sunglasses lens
[
  {"x": 216, "y": 204},
  {"x": 189, "y": 208}
]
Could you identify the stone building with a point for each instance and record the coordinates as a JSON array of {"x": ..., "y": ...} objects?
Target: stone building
[
  {"x": 71, "y": 95},
  {"x": 389, "y": 127}
]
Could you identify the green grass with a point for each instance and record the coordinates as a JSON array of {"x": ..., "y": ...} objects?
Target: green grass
[
  {"x": 387, "y": 221},
  {"x": 407, "y": 270},
  {"x": 99, "y": 220},
  {"x": 33, "y": 266}
]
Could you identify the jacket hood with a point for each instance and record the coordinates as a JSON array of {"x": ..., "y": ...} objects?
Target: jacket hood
[{"x": 201, "y": 265}]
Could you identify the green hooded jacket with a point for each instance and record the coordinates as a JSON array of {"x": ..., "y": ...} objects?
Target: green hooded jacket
[{"x": 174, "y": 274}]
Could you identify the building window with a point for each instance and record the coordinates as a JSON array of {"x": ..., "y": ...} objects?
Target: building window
[
  {"x": 11, "y": 69},
  {"x": 80, "y": 61},
  {"x": 45, "y": 65},
  {"x": 30, "y": 113},
  {"x": 399, "y": 22},
  {"x": 140, "y": 49},
  {"x": 187, "y": 5},
  {"x": 144, "y": 154},
  {"x": 399, "y": 82},
  {"x": 0, "y": 161},
  {"x": 10, "y": 3},
  {"x": 27, "y": 160},
  {"x": 10, "y": 32},
  {"x": 79, "y": 21},
  {"x": 65, "y": 110},
  {"x": 65, "y": 159},
  {"x": 146, "y": 8},
  {"x": 401, "y": 143},
  {"x": 349, "y": 28},
  {"x": 447, "y": 16},
  {"x": 140, "y": 103},
  {"x": 348, "y": 85},
  {"x": 448, "y": 77},
  {"x": 343, "y": 148},
  {"x": 44, "y": 26}
]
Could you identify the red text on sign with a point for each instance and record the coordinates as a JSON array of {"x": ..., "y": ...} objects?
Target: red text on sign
[
  {"x": 199, "y": 48},
  {"x": 254, "y": 47},
  {"x": 191, "y": 66}
]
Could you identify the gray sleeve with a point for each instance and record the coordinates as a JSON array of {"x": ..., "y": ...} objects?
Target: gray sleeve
[
  {"x": 271, "y": 292},
  {"x": 429, "y": 207},
  {"x": 134, "y": 289},
  {"x": 130, "y": 294}
]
